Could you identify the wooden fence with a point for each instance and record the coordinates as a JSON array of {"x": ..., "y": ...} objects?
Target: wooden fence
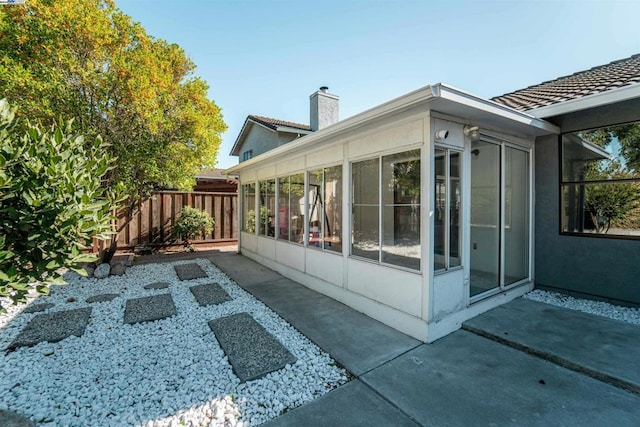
[{"x": 153, "y": 224}]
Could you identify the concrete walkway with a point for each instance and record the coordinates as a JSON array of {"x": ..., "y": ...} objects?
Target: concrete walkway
[{"x": 465, "y": 378}]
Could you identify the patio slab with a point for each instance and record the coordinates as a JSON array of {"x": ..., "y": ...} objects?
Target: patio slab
[
  {"x": 464, "y": 379},
  {"x": 189, "y": 271},
  {"x": 354, "y": 340},
  {"x": 209, "y": 294},
  {"x": 53, "y": 327},
  {"x": 603, "y": 348},
  {"x": 148, "y": 309},
  {"x": 353, "y": 404},
  {"x": 252, "y": 351}
]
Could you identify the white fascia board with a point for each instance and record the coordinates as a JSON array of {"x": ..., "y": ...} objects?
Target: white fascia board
[
  {"x": 461, "y": 97},
  {"x": 590, "y": 101},
  {"x": 397, "y": 104}
]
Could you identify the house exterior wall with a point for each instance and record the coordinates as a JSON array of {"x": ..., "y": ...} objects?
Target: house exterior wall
[
  {"x": 260, "y": 140},
  {"x": 585, "y": 266}
]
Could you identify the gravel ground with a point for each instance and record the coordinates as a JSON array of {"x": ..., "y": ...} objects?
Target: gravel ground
[
  {"x": 600, "y": 308},
  {"x": 164, "y": 373}
]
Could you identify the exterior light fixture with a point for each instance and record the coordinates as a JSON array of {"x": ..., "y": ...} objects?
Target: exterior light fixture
[
  {"x": 472, "y": 132},
  {"x": 441, "y": 135}
]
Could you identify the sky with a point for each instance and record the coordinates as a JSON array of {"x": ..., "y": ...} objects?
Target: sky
[{"x": 266, "y": 57}]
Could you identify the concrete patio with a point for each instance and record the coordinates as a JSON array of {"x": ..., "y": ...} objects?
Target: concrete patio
[{"x": 525, "y": 363}]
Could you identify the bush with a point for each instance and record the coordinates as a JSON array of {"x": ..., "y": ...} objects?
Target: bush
[
  {"x": 51, "y": 204},
  {"x": 191, "y": 223}
]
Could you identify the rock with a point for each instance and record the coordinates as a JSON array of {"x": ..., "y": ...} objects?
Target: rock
[
  {"x": 117, "y": 269},
  {"x": 12, "y": 419},
  {"x": 102, "y": 271},
  {"x": 90, "y": 271}
]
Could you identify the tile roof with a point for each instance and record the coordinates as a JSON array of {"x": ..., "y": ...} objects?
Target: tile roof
[
  {"x": 274, "y": 123},
  {"x": 598, "y": 79}
]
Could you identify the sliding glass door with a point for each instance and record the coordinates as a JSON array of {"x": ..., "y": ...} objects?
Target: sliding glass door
[{"x": 500, "y": 205}]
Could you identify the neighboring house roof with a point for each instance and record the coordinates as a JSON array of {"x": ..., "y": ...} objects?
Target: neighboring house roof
[
  {"x": 603, "y": 78},
  {"x": 275, "y": 125},
  {"x": 213, "y": 175}
]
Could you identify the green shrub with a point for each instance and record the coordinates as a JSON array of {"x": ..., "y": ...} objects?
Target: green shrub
[
  {"x": 51, "y": 204},
  {"x": 191, "y": 223}
]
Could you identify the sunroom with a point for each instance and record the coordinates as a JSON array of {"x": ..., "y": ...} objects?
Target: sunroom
[{"x": 418, "y": 212}]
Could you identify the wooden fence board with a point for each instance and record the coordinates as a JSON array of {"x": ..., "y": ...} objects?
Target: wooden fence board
[{"x": 153, "y": 224}]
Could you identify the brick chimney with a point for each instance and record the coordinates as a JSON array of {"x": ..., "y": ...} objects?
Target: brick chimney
[{"x": 323, "y": 109}]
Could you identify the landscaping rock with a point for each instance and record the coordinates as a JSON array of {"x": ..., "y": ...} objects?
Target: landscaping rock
[
  {"x": 102, "y": 271},
  {"x": 157, "y": 285},
  {"x": 11, "y": 419},
  {"x": 117, "y": 269},
  {"x": 102, "y": 298},
  {"x": 36, "y": 308},
  {"x": 90, "y": 271}
]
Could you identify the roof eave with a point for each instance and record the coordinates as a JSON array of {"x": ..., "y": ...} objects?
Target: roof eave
[
  {"x": 423, "y": 95},
  {"x": 600, "y": 99}
]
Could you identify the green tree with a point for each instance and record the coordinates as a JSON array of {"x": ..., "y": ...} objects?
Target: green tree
[
  {"x": 192, "y": 222},
  {"x": 51, "y": 203},
  {"x": 88, "y": 60}
]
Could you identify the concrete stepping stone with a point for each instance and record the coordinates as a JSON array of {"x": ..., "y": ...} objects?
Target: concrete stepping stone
[
  {"x": 189, "y": 271},
  {"x": 209, "y": 294},
  {"x": 37, "y": 308},
  {"x": 148, "y": 309},
  {"x": 102, "y": 298},
  {"x": 157, "y": 285},
  {"x": 53, "y": 327},
  {"x": 252, "y": 351},
  {"x": 12, "y": 419}
]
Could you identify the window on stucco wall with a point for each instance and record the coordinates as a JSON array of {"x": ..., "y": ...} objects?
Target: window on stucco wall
[
  {"x": 600, "y": 182},
  {"x": 386, "y": 209}
]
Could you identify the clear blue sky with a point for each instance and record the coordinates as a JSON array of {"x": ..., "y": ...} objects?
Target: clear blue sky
[{"x": 267, "y": 57}]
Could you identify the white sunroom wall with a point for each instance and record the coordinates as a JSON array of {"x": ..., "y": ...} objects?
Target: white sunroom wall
[{"x": 392, "y": 295}]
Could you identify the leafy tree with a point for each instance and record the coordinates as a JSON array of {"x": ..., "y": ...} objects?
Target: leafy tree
[
  {"x": 51, "y": 203},
  {"x": 86, "y": 59},
  {"x": 192, "y": 222}
]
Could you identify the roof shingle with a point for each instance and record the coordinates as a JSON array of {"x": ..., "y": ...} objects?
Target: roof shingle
[{"x": 623, "y": 72}]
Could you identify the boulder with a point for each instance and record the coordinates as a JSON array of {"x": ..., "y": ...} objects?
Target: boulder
[
  {"x": 102, "y": 271},
  {"x": 90, "y": 271},
  {"x": 117, "y": 269}
]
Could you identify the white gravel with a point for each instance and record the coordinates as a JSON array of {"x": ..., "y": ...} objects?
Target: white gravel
[
  {"x": 600, "y": 308},
  {"x": 165, "y": 373}
]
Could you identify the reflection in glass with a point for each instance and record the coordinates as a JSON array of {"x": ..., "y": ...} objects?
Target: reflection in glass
[
  {"x": 296, "y": 207},
  {"x": 401, "y": 214},
  {"x": 283, "y": 208},
  {"x": 485, "y": 217},
  {"x": 601, "y": 178},
  {"x": 365, "y": 240},
  {"x": 267, "y": 207},
  {"x": 325, "y": 208},
  {"x": 455, "y": 200},
  {"x": 249, "y": 208},
  {"x": 440, "y": 192},
  {"x": 516, "y": 227}
]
